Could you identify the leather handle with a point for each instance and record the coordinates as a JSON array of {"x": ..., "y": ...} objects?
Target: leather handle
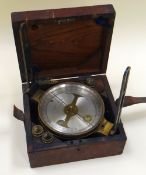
[
  {"x": 129, "y": 100},
  {"x": 18, "y": 114}
]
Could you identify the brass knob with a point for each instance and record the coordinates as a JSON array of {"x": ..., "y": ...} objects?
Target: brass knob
[
  {"x": 47, "y": 137},
  {"x": 37, "y": 130}
]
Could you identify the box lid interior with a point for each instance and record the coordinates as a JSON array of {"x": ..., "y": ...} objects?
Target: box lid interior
[{"x": 63, "y": 42}]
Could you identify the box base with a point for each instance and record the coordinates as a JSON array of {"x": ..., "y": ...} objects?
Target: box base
[
  {"x": 95, "y": 148},
  {"x": 63, "y": 151}
]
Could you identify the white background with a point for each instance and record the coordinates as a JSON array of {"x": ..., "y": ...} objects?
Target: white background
[{"x": 128, "y": 48}]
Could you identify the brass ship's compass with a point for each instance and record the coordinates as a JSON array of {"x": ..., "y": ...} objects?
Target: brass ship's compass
[
  {"x": 71, "y": 109},
  {"x": 75, "y": 110}
]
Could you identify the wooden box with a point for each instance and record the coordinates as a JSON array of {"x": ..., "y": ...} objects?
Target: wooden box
[{"x": 60, "y": 43}]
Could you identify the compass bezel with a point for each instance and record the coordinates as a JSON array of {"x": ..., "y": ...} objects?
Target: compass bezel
[{"x": 90, "y": 93}]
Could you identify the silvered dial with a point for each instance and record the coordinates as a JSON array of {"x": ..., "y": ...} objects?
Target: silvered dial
[{"x": 71, "y": 109}]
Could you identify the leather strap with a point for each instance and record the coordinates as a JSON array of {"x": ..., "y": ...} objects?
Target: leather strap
[
  {"x": 18, "y": 114},
  {"x": 129, "y": 100}
]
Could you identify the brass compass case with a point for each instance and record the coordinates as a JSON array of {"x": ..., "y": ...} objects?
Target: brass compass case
[{"x": 71, "y": 109}]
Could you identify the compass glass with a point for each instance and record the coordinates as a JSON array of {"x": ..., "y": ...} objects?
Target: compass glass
[{"x": 71, "y": 109}]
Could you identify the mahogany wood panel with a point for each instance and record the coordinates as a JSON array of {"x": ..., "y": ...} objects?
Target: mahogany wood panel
[
  {"x": 64, "y": 42},
  {"x": 76, "y": 153}
]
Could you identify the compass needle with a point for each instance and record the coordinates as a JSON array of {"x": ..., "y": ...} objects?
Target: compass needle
[
  {"x": 64, "y": 123},
  {"x": 70, "y": 110},
  {"x": 76, "y": 96}
]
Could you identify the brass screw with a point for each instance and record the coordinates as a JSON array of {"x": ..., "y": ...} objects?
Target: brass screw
[
  {"x": 47, "y": 137},
  {"x": 90, "y": 81},
  {"x": 37, "y": 130}
]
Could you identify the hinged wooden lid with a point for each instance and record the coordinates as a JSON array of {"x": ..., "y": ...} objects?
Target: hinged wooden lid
[{"x": 63, "y": 42}]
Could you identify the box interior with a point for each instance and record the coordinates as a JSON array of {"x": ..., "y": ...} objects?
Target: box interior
[{"x": 104, "y": 91}]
